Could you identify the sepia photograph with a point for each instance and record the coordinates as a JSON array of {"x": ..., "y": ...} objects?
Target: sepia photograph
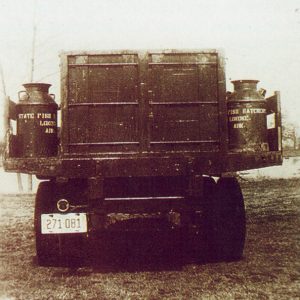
[{"x": 149, "y": 149}]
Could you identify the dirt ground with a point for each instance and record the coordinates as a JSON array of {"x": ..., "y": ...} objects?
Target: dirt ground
[{"x": 270, "y": 268}]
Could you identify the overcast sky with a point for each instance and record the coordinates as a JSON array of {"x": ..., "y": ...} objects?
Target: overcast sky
[{"x": 261, "y": 38}]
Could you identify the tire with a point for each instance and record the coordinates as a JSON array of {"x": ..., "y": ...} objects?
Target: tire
[
  {"x": 55, "y": 249},
  {"x": 228, "y": 221},
  {"x": 47, "y": 246},
  {"x": 199, "y": 245},
  {"x": 209, "y": 187}
]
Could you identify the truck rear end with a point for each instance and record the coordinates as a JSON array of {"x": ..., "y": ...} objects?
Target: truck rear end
[{"x": 144, "y": 132}]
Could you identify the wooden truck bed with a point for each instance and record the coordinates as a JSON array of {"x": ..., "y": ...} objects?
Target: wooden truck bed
[{"x": 146, "y": 113}]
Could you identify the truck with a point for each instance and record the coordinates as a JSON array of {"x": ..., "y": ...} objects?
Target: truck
[{"x": 141, "y": 132}]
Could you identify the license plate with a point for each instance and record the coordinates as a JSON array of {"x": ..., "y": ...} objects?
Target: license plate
[{"x": 63, "y": 223}]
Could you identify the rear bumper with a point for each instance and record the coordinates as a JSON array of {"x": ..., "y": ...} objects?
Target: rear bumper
[{"x": 213, "y": 163}]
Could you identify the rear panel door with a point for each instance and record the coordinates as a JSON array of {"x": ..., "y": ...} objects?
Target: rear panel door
[
  {"x": 183, "y": 101},
  {"x": 132, "y": 102},
  {"x": 103, "y": 103}
]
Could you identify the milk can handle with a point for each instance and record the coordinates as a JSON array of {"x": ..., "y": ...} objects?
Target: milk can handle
[{"x": 19, "y": 95}]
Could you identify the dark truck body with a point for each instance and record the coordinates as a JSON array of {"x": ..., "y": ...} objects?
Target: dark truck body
[
  {"x": 143, "y": 132},
  {"x": 159, "y": 113}
]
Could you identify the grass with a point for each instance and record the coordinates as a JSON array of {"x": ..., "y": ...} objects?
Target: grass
[{"x": 270, "y": 268}]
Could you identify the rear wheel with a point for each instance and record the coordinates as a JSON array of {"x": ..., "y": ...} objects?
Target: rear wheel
[
  {"x": 228, "y": 221},
  {"x": 199, "y": 241},
  {"x": 47, "y": 246},
  {"x": 55, "y": 249}
]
